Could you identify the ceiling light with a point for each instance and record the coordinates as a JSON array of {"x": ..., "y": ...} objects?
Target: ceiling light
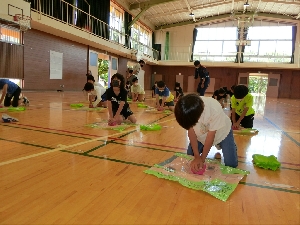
[
  {"x": 192, "y": 14},
  {"x": 246, "y": 4}
]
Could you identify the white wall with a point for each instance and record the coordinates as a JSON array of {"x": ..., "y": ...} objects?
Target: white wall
[{"x": 180, "y": 38}]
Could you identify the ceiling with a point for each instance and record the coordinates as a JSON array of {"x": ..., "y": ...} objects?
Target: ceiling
[{"x": 170, "y": 13}]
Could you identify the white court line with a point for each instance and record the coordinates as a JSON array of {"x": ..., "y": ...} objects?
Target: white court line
[{"x": 68, "y": 146}]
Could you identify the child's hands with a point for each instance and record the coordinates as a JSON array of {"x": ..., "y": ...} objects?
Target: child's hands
[
  {"x": 235, "y": 125},
  {"x": 197, "y": 164},
  {"x": 118, "y": 119}
]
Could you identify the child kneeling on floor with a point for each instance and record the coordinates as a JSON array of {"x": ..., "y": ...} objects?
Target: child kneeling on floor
[
  {"x": 207, "y": 125},
  {"x": 117, "y": 105}
]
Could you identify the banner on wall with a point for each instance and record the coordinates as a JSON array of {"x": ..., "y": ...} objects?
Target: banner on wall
[{"x": 56, "y": 63}]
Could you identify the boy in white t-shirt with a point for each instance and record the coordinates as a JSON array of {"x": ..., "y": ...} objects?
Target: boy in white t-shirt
[
  {"x": 207, "y": 125},
  {"x": 138, "y": 93}
]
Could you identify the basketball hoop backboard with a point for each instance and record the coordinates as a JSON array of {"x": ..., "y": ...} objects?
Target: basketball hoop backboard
[{"x": 10, "y": 8}]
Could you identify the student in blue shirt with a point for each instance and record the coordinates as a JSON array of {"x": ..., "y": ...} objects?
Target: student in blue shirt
[{"x": 11, "y": 94}]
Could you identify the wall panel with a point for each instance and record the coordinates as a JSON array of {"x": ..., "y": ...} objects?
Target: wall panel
[
  {"x": 36, "y": 62},
  {"x": 226, "y": 77}
]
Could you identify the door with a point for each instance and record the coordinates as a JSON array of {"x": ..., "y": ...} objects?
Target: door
[
  {"x": 113, "y": 68},
  {"x": 192, "y": 84},
  {"x": 243, "y": 79},
  {"x": 179, "y": 79},
  {"x": 273, "y": 85}
]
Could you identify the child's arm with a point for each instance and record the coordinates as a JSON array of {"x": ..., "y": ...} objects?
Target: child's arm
[
  {"x": 110, "y": 113},
  {"x": 118, "y": 113},
  {"x": 98, "y": 92},
  {"x": 198, "y": 161},
  {"x": 237, "y": 123},
  {"x": 4, "y": 91}
]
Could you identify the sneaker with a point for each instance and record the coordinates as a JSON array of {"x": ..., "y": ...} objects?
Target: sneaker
[
  {"x": 7, "y": 119},
  {"x": 25, "y": 101}
]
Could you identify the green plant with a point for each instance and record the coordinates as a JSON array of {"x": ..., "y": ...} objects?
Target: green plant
[
  {"x": 103, "y": 69},
  {"x": 258, "y": 84}
]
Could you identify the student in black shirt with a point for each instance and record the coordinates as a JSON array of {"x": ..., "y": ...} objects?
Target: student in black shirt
[
  {"x": 118, "y": 108},
  {"x": 178, "y": 91},
  {"x": 201, "y": 71}
]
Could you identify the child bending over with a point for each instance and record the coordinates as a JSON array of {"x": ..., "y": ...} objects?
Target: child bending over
[
  {"x": 96, "y": 98},
  {"x": 178, "y": 91},
  {"x": 242, "y": 107},
  {"x": 138, "y": 93},
  {"x": 118, "y": 108},
  {"x": 164, "y": 97},
  {"x": 220, "y": 95},
  {"x": 207, "y": 125}
]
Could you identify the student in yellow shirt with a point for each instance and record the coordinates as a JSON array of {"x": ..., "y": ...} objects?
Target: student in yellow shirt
[{"x": 242, "y": 107}]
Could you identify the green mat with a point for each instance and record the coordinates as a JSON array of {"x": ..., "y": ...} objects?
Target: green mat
[
  {"x": 151, "y": 127},
  {"x": 218, "y": 180},
  {"x": 266, "y": 162},
  {"x": 13, "y": 109}
]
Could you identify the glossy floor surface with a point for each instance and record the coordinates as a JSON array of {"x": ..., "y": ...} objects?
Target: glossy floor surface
[{"x": 56, "y": 170}]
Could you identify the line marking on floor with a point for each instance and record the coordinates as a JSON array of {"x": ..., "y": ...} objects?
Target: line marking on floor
[{"x": 70, "y": 146}]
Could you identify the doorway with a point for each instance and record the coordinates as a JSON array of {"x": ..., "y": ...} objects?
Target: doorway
[{"x": 258, "y": 84}]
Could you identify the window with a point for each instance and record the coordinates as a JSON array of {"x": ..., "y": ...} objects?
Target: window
[
  {"x": 215, "y": 43},
  {"x": 269, "y": 44},
  {"x": 10, "y": 35},
  {"x": 116, "y": 23},
  {"x": 141, "y": 37}
]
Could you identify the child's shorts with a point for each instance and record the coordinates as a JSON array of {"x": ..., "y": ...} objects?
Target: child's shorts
[
  {"x": 126, "y": 112},
  {"x": 171, "y": 103}
]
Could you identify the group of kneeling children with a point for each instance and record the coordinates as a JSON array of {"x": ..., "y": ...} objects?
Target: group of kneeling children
[{"x": 203, "y": 117}]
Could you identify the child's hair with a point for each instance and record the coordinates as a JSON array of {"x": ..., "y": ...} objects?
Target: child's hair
[
  {"x": 222, "y": 91},
  {"x": 121, "y": 78},
  {"x": 130, "y": 71},
  {"x": 188, "y": 110},
  {"x": 197, "y": 63},
  {"x": 161, "y": 84},
  {"x": 134, "y": 80},
  {"x": 177, "y": 84},
  {"x": 90, "y": 77},
  {"x": 240, "y": 91},
  {"x": 127, "y": 82},
  {"x": 232, "y": 87},
  {"x": 225, "y": 88},
  {"x": 88, "y": 86}
]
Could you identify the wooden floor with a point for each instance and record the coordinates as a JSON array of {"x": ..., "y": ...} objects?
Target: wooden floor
[{"x": 56, "y": 170}]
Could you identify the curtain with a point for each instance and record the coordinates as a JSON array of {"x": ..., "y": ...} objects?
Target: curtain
[
  {"x": 127, "y": 20},
  {"x": 67, "y": 11},
  {"x": 11, "y": 60},
  {"x": 167, "y": 45},
  {"x": 100, "y": 10},
  {"x": 82, "y": 18},
  {"x": 294, "y": 33},
  {"x": 195, "y": 32},
  {"x": 33, "y": 4}
]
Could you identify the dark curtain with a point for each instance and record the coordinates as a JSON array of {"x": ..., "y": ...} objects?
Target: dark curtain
[
  {"x": 294, "y": 33},
  {"x": 33, "y": 4},
  {"x": 11, "y": 60},
  {"x": 100, "y": 10},
  {"x": 195, "y": 32},
  {"x": 67, "y": 11},
  {"x": 127, "y": 20},
  {"x": 158, "y": 48},
  {"x": 82, "y": 18}
]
